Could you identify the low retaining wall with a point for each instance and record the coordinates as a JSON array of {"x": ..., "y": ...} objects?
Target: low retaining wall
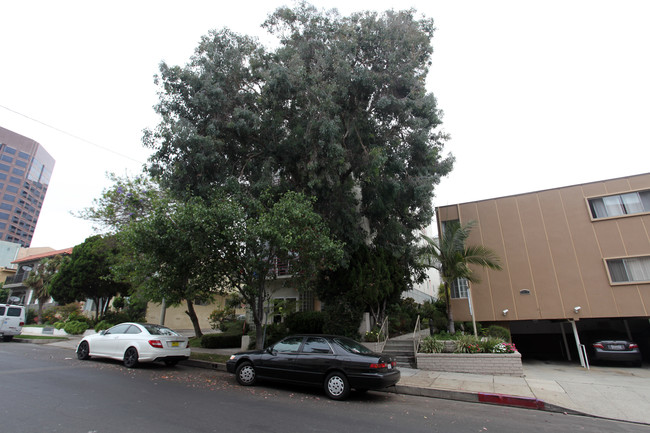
[{"x": 507, "y": 364}]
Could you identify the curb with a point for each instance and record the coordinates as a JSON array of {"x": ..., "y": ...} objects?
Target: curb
[{"x": 469, "y": 397}]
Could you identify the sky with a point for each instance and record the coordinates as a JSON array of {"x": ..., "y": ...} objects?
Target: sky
[{"x": 535, "y": 94}]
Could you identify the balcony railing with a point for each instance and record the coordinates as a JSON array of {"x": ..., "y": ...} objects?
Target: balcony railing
[
  {"x": 281, "y": 268},
  {"x": 17, "y": 278}
]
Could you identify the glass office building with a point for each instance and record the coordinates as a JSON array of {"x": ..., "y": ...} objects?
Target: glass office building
[{"x": 25, "y": 171}]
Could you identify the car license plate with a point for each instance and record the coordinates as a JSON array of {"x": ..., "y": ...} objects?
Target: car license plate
[
  {"x": 389, "y": 366},
  {"x": 174, "y": 343},
  {"x": 616, "y": 347}
]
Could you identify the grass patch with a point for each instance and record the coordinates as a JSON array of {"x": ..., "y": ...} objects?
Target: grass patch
[
  {"x": 40, "y": 337},
  {"x": 195, "y": 342},
  {"x": 211, "y": 357}
]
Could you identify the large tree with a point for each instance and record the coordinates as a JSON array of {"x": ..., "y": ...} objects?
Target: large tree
[
  {"x": 452, "y": 257},
  {"x": 338, "y": 111},
  {"x": 192, "y": 249},
  {"x": 89, "y": 274}
]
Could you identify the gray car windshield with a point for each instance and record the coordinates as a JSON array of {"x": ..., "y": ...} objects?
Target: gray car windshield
[{"x": 351, "y": 345}]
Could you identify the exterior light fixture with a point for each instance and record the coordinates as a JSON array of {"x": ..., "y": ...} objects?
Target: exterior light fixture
[
  {"x": 505, "y": 311},
  {"x": 576, "y": 309}
]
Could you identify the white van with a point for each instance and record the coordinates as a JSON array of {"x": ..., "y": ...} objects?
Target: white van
[{"x": 12, "y": 320}]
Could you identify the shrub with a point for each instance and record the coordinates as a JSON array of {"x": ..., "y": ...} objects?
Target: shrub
[
  {"x": 104, "y": 324},
  {"x": 274, "y": 333},
  {"x": 30, "y": 318},
  {"x": 469, "y": 327},
  {"x": 431, "y": 345},
  {"x": 220, "y": 341},
  {"x": 77, "y": 316},
  {"x": 504, "y": 348},
  {"x": 117, "y": 317},
  {"x": 467, "y": 344},
  {"x": 233, "y": 327},
  {"x": 343, "y": 319},
  {"x": 372, "y": 336},
  {"x": 218, "y": 316},
  {"x": 498, "y": 332},
  {"x": 305, "y": 322},
  {"x": 75, "y": 327},
  {"x": 59, "y": 325},
  {"x": 487, "y": 344},
  {"x": 50, "y": 315}
]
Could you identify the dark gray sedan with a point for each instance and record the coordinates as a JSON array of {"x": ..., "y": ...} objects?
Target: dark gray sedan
[
  {"x": 338, "y": 364},
  {"x": 616, "y": 350}
]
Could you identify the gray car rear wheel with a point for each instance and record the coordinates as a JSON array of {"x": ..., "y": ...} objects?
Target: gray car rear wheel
[{"x": 337, "y": 386}]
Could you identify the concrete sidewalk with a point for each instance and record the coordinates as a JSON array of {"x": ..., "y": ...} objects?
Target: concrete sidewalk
[{"x": 619, "y": 393}]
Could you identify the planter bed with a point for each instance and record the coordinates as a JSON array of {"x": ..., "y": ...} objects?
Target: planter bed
[{"x": 506, "y": 364}]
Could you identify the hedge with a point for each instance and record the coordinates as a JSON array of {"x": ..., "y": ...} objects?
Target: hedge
[{"x": 220, "y": 341}]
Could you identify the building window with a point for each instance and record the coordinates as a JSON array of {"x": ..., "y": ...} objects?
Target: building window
[
  {"x": 10, "y": 150},
  {"x": 459, "y": 288},
  {"x": 629, "y": 270},
  {"x": 620, "y": 204},
  {"x": 23, "y": 155}
]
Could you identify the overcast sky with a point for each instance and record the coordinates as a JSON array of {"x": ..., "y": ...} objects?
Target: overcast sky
[{"x": 535, "y": 94}]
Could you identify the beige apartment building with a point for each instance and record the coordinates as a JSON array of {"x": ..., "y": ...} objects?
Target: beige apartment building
[{"x": 576, "y": 261}]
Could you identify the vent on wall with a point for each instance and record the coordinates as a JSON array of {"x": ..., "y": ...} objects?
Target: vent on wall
[{"x": 524, "y": 292}]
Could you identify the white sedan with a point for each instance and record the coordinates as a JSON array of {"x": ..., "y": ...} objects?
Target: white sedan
[{"x": 136, "y": 342}]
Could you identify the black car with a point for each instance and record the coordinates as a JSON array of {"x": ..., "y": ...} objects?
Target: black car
[{"x": 336, "y": 363}]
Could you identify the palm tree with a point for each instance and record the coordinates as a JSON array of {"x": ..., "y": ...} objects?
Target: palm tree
[
  {"x": 39, "y": 281},
  {"x": 451, "y": 257}
]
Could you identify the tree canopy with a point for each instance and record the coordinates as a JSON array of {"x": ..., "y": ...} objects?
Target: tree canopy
[
  {"x": 88, "y": 274},
  {"x": 339, "y": 111}
]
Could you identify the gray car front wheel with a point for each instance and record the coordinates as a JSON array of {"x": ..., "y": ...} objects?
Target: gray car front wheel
[{"x": 246, "y": 374}]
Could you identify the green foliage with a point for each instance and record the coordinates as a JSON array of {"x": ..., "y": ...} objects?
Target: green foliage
[
  {"x": 102, "y": 325},
  {"x": 305, "y": 322},
  {"x": 220, "y": 341},
  {"x": 451, "y": 256},
  {"x": 467, "y": 344},
  {"x": 30, "y": 317},
  {"x": 497, "y": 332},
  {"x": 487, "y": 344},
  {"x": 75, "y": 327},
  {"x": 469, "y": 327},
  {"x": 119, "y": 302},
  {"x": 59, "y": 325},
  {"x": 4, "y": 294},
  {"x": 273, "y": 333},
  {"x": 338, "y": 111},
  {"x": 431, "y": 344},
  {"x": 126, "y": 201},
  {"x": 342, "y": 317},
  {"x": 88, "y": 273},
  {"x": 234, "y": 327},
  {"x": 403, "y": 316},
  {"x": 218, "y": 316},
  {"x": 373, "y": 336}
]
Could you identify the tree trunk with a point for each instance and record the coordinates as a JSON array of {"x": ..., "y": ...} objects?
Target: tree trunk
[
  {"x": 40, "y": 312},
  {"x": 450, "y": 316},
  {"x": 195, "y": 320}
]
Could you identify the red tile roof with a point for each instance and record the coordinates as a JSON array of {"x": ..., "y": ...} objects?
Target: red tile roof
[{"x": 36, "y": 257}]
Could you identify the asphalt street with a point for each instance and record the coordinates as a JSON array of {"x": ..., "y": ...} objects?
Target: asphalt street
[{"x": 46, "y": 389}]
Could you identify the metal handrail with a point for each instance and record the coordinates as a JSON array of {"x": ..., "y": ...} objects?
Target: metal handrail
[
  {"x": 384, "y": 331},
  {"x": 416, "y": 335}
]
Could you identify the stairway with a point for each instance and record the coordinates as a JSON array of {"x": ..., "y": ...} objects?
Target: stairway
[{"x": 402, "y": 351}]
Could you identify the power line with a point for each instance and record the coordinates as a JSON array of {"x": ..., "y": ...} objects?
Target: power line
[{"x": 72, "y": 135}]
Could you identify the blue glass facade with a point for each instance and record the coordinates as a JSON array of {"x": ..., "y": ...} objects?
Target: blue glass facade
[{"x": 25, "y": 172}]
